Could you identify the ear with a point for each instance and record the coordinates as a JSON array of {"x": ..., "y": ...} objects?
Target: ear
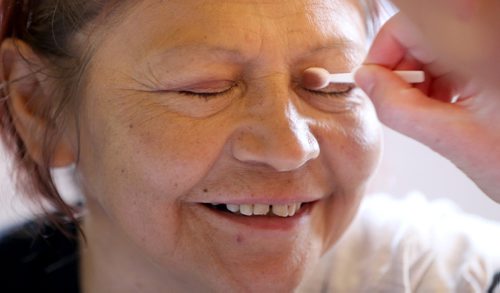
[{"x": 29, "y": 96}]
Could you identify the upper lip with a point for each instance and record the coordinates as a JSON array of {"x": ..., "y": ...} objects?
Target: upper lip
[
  {"x": 271, "y": 189},
  {"x": 262, "y": 200}
]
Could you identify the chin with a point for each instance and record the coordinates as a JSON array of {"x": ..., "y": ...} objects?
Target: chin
[
  {"x": 279, "y": 274},
  {"x": 265, "y": 281}
]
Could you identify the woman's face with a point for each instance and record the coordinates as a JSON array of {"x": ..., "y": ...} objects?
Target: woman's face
[{"x": 195, "y": 108}]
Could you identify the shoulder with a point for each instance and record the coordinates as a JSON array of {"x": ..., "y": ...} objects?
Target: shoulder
[
  {"x": 36, "y": 256},
  {"x": 413, "y": 245},
  {"x": 438, "y": 247}
]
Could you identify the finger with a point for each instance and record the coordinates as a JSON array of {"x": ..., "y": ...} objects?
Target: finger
[
  {"x": 406, "y": 109},
  {"x": 408, "y": 62},
  {"x": 439, "y": 83},
  {"x": 439, "y": 87},
  {"x": 442, "y": 89},
  {"x": 420, "y": 10},
  {"x": 386, "y": 49},
  {"x": 397, "y": 40}
]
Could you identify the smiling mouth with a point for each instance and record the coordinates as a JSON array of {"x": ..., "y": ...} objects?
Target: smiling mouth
[{"x": 262, "y": 210}]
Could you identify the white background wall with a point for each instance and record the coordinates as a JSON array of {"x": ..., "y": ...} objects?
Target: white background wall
[
  {"x": 410, "y": 166},
  {"x": 10, "y": 209},
  {"x": 407, "y": 166}
]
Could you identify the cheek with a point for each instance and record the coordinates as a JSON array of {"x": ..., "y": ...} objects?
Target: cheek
[
  {"x": 164, "y": 153},
  {"x": 146, "y": 167},
  {"x": 351, "y": 146},
  {"x": 146, "y": 171},
  {"x": 351, "y": 143}
]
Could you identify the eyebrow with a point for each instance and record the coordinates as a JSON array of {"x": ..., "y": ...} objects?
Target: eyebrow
[
  {"x": 216, "y": 52},
  {"x": 342, "y": 44},
  {"x": 239, "y": 56}
]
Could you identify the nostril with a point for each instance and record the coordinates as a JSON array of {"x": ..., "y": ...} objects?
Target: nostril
[
  {"x": 297, "y": 153},
  {"x": 280, "y": 151},
  {"x": 281, "y": 139}
]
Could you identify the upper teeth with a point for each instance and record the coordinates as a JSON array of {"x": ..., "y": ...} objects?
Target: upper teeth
[{"x": 285, "y": 210}]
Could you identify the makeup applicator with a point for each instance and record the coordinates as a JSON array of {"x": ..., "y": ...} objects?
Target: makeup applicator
[{"x": 317, "y": 78}]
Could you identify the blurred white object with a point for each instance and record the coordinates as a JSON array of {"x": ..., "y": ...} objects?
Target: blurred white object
[
  {"x": 410, "y": 245},
  {"x": 14, "y": 207},
  {"x": 409, "y": 166}
]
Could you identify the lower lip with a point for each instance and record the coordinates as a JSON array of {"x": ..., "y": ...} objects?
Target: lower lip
[{"x": 269, "y": 223}]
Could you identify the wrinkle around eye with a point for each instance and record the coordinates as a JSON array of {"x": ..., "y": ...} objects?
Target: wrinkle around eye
[
  {"x": 187, "y": 102},
  {"x": 332, "y": 102},
  {"x": 209, "y": 90},
  {"x": 210, "y": 86}
]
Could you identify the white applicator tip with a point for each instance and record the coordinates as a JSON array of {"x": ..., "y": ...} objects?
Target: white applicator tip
[{"x": 318, "y": 78}]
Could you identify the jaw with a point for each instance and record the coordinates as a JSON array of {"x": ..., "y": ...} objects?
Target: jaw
[
  {"x": 208, "y": 250},
  {"x": 281, "y": 272},
  {"x": 253, "y": 261}
]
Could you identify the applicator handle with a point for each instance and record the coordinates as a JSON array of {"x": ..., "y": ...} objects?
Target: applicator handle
[{"x": 410, "y": 76}]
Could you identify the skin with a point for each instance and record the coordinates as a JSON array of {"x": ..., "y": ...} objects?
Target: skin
[
  {"x": 456, "y": 43},
  {"x": 461, "y": 33},
  {"x": 150, "y": 154}
]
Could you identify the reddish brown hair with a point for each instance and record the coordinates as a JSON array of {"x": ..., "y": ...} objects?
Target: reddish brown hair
[{"x": 48, "y": 27}]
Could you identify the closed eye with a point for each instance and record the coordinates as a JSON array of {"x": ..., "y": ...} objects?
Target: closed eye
[
  {"x": 206, "y": 95},
  {"x": 334, "y": 90},
  {"x": 209, "y": 93}
]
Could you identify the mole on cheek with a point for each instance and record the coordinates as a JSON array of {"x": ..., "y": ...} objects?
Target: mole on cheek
[{"x": 239, "y": 239}]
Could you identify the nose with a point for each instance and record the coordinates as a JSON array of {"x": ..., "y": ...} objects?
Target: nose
[{"x": 275, "y": 133}]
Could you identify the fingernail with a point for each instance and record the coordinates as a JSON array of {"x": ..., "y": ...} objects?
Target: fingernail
[{"x": 365, "y": 79}]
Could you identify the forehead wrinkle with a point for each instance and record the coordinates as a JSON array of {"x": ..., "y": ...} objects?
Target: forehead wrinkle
[
  {"x": 215, "y": 51},
  {"x": 331, "y": 26},
  {"x": 249, "y": 42}
]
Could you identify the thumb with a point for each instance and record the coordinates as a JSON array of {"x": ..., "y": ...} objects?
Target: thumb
[{"x": 408, "y": 110}]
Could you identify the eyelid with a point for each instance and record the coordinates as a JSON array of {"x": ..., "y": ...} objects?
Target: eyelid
[
  {"x": 335, "y": 89},
  {"x": 207, "y": 87}
]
